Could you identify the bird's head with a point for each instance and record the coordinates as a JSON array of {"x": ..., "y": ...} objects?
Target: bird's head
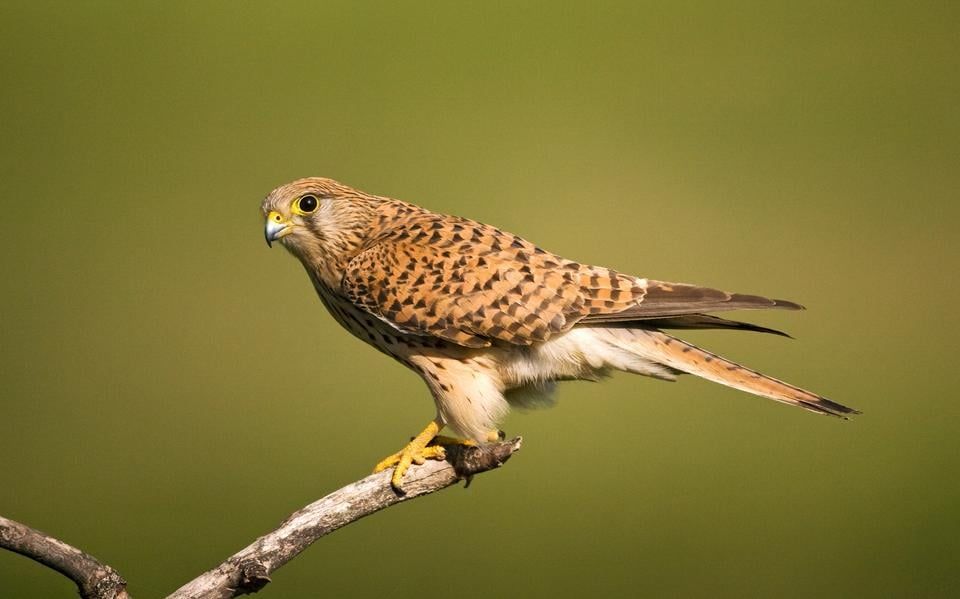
[{"x": 318, "y": 219}]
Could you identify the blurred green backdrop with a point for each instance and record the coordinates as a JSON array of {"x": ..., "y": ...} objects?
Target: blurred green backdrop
[{"x": 171, "y": 388}]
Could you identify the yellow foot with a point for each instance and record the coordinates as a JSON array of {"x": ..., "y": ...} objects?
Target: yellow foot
[
  {"x": 491, "y": 437},
  {"x": 428, "y": 445},
  {"x": 445, "y": 440},
  {"x": 415, "y": 452},
  {"x": 410, "y": 455}
]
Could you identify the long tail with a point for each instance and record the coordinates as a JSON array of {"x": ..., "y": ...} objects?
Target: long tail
[{"x": 662, "y": 348}]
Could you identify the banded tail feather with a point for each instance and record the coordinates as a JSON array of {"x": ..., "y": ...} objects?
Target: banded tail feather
[{"x": 679, "y": 355}]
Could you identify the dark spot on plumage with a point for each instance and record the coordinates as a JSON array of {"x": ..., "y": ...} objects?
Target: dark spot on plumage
[{"x": 516, "y": 242}]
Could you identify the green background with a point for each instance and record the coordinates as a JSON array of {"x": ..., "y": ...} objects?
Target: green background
[{"x": 171, "y": 388}]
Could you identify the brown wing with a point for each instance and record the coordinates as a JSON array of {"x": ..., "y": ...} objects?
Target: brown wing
[
  {"x": 471, "y": 284},
  {"x": 697, "y": 321},
  {"x": 664, "y": 300}
]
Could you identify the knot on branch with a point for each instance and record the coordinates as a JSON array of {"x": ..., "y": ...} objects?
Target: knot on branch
[
  {"x": 253, "y": 576},
  {"x": 106, "y": 583},
  {"x": 468, "y": 460}
]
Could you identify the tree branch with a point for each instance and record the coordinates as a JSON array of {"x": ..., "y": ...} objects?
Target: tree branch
[
  {"x": 248, "y": 570},
  {"x": 94, "y": 579}
]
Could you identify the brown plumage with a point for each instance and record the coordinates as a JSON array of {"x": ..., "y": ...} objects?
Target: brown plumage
[{"x": 488, "y": 318}]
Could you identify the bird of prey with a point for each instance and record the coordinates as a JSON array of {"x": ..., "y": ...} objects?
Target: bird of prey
[{"x": 490, "y": 320}]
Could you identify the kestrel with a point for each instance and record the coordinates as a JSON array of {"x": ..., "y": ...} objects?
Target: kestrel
[{"x": 490, "y": 320}]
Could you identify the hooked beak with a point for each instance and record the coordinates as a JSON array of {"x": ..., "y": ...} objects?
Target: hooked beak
[{"x": 276, "y": 227}]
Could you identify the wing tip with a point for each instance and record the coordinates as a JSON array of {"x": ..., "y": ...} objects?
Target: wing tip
[
  {"x": 822, "y": 405},
  {"x": 787, "y": 305}
]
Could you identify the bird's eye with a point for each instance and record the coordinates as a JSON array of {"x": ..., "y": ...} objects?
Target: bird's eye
[{"x": 307, "y": 204}]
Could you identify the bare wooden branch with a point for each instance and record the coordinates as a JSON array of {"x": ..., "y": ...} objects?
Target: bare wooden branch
[
  {"x": 248, "y": 570},
  {"x": 94, "y": 579}
]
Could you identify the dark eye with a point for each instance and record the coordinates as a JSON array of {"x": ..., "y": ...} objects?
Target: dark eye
[{"x": 307, "y": 204}]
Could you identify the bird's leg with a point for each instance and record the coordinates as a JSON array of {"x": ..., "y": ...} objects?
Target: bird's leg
[{"x": 416, "y": 452}]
